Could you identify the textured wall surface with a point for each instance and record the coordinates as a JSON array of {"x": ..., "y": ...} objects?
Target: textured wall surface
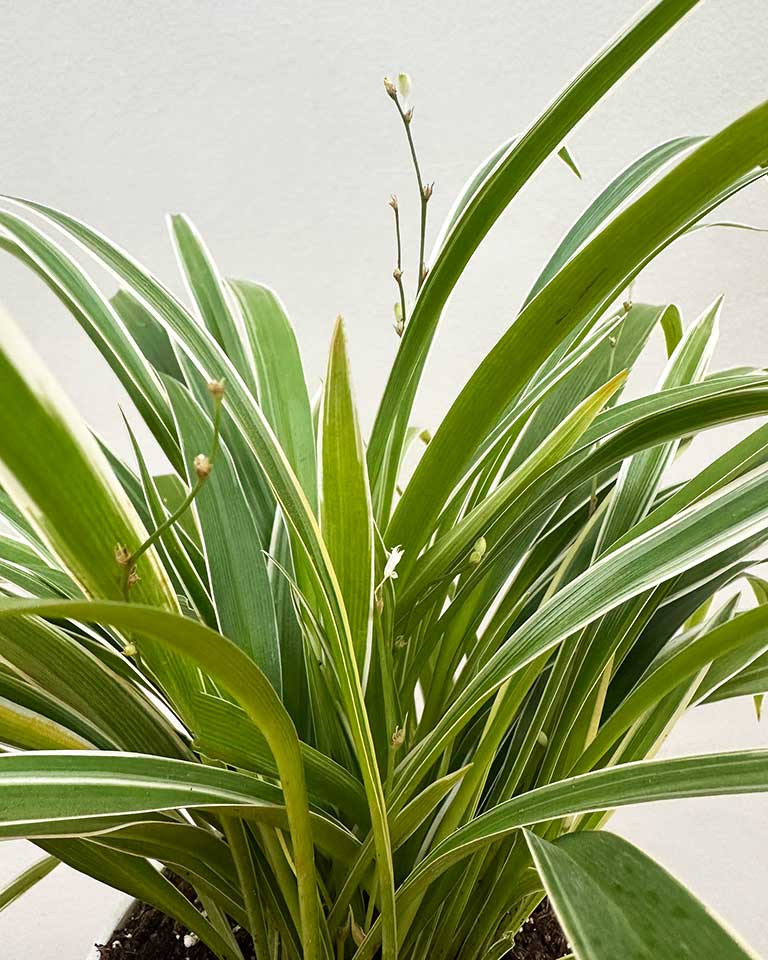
[{"x": 268, "y": 125}]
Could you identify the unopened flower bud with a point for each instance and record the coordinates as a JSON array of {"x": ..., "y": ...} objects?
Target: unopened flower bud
[
  {"x": 203, "y": 466},
  {"x": 216, "y": 389},
  {"x": 542, "y": 739},
  {"x": 627, "y": 306},
  {"x": 378, "y": 598},
  {"x": 404, "y": 85},
  {"x": 399, "y": 323},
  {"x": 130, "y": 650},
  {"x": 408, "y": 116},
  {"x": 390, "y": 87},
  {"x": 478, "y": 551},
  {"x": 425, "y": 436}
]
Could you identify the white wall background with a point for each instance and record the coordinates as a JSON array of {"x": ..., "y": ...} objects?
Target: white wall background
[{"x": 268, "y": 125}]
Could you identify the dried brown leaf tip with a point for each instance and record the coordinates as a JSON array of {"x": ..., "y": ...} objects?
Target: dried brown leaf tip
[{"x": 358, "y": 934}]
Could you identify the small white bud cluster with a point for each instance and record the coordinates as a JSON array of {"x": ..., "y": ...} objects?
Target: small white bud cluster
[{"x": 400, "y": 90}]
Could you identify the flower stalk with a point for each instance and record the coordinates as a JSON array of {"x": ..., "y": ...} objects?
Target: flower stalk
[
  {"x": 203, "y": 465},
  {"x": 397, "y": 273},
  {"x": 425, "y": 189}
]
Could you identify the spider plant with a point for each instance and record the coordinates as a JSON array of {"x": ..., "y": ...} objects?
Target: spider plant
[{"x": 367, "y": 709}]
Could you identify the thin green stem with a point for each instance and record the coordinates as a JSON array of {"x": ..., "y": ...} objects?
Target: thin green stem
[
  {"x": 237, "y": 839},
  {"x": 425, "y": 191},
  {"x": 128, "y": 562},
  {"x": 398, "y": 272}
]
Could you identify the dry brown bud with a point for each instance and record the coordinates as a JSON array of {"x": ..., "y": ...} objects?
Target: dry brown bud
[
  {"x": 379, "y": 601},
  {"x": 216, "y": 389},
  {"x": 397, "y": 273},
  {"x": 393, "y": 202},
  {"x": 427, "y": 190},
  {"x": 390, "y": 87},
  {"x": 408, "y": 116},
  {"x": 398, "y": 737},
  {"x": 627, "y": 306},
  {"x": 203, "y": 466},
  {"x": 122, "y": 555},
  {"x": 133, "y": 578}
]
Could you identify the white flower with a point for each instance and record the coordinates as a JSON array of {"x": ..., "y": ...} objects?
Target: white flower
[
  {"x": 190, "y": 939},
  {"x": 393, "y": 558}
]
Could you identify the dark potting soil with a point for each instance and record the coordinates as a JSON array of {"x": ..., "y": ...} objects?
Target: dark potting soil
[
  {"x": 148, "y": 934},
  {"x": 541, "y": 937}
]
